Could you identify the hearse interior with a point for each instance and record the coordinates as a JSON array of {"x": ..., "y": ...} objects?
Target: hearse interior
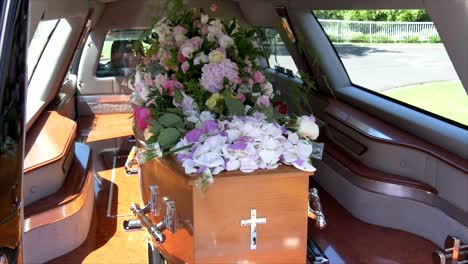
[{"x": 391, "y": 185}]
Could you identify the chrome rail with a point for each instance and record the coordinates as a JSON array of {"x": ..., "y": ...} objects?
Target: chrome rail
[{"x": 169, "y": 222}]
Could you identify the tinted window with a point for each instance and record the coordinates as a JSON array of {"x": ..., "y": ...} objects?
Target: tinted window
[
  {"x": 278, "y": 54},
  {"x": 117, "y": 56},
  {"x": 399, "y": 54},
  {"x": 38, "y": 43}
]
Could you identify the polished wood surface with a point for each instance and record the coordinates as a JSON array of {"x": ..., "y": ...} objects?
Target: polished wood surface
[
  {"x": 376, "y": 129},
  {"x": 69, "y": 198},
  {"x": 48, "y": 140},
  {"x": 210, "y": 230},
  {"x": 102, "y": 127},
  {"x": 347, "y": 239},
  {"x": 107, "y": 242},
  {"x": 364, "y": 171}
]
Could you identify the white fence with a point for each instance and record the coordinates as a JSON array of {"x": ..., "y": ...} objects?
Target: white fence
[{"x": 370, "y": 31}]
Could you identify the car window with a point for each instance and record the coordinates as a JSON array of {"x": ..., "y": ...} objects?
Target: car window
[
  {"x": 39, "y": 41},
  {"x": 278, "y": 54},
  {"x": 117, "y": 56},
  {"x": 398, "y": 54}
]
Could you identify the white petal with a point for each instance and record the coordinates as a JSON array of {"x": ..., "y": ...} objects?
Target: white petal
[{"x": 233, "y": 165}]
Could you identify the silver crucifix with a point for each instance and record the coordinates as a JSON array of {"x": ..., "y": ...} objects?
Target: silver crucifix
[{"x": 253, "y": 221}]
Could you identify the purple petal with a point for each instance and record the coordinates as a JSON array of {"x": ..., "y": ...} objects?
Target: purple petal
[
  {"x": 183, "y": 156},
  {"x": 243, "y": 139},
  {"x": 201, "y": 170},
  {"x": 193, "y": 135},
  {"x": 209, "y": 126},
  {"x": 239, "y": 145},
  {"x": 299, "y": 162}
]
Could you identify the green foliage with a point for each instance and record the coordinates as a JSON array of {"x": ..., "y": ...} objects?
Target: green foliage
[
  {"x": 435, "y": 39},
  {"x": 168, "y": 137},
  {"x": 397, "y": 15},
  {"x": 234, "y": 106}
]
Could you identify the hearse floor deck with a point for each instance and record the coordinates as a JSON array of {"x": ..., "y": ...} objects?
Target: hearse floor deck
[
  {"x": 347, "y": 239},
  {"x": 107, "y": 242}
]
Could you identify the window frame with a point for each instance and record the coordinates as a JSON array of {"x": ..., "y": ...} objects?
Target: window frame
[{"x": 383, "y": 96}]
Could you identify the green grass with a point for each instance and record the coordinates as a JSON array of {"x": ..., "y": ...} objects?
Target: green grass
[
  {"x": 106, "y": 50},
  {"x": 447, "y": 99}
]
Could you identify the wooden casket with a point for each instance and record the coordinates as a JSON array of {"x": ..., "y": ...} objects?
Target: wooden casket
[{"x": 209, "y": 226}]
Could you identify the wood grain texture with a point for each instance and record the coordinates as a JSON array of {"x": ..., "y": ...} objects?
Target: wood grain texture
[
  {"x": 209, "y": 226},
  {"x": 378, "y": 130},
  {"x": 48, "y": 140},
  {"x": 107, "y": 242},
  {"x": 101, "y": 127}
]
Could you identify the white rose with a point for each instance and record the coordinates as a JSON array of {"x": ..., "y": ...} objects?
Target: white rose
[
  {"x": 216, "y": 56},
  {"x": 307, "y": 127},
  {"x": 179, "y": 39},
  {"x": 201, "y": 58},
  {"x": 204, "y": 19},
  {"x": 225, "y": 41},
  {"x": 187, "y": 51},
  {"x": 267, "y": 89}
]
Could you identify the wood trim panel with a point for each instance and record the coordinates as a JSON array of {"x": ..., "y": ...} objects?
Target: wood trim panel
[
  {"x": 360, "y": 169},
  {"x": 106, "y": 126},
  {"x": 378, "y": 130},
  {"x": 69, "y": 199},
  {"x": 49, "y": 140}
]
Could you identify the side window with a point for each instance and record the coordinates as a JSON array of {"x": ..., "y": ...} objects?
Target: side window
[
  {"x": 398, "y": 54},
  {"x": 277, "y": 51},
  {"x": 38, "y": 43},
  {"x": 117, "y": 56}
]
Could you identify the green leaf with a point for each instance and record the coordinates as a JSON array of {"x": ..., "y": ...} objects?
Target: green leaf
[
  {"x": 168, "y": 137},
  {"x": 156, "y": 128},
  {"x": 234, "y": 105},
  {"x": 176, "y": 111},
  {"x": 178, "y": 97},
  {"x": 170, "y": 120}
]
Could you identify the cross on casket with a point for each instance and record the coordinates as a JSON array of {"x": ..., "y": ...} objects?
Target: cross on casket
[
  {"x": 208, "y": 226},
  {"x": 252, "y": 222}
]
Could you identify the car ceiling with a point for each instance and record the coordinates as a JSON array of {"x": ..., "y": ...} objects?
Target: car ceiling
[{"x": 448, "y": 15}]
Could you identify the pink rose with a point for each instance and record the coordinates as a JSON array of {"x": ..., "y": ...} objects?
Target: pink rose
[
  {"x": 180, "y": 30},
  {"x": 197, "y": 23},
  {"x": 169, "y": 85},
  {"x": 241, "y": 97},
  {"x": 237, "y": 80},
  {"x": 204, "y": 30},
  {"x": 196, "y": 42},
  {"x": 185, "y": 66},
  {"x": 142, "y": 115},
  {"x": 213, "y": 7},
  {"x": 263, "y": 100},
  {"x": 259, "y": 77}
]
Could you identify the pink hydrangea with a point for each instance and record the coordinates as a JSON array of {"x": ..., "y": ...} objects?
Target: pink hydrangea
[{"x": 213, "y": 75}]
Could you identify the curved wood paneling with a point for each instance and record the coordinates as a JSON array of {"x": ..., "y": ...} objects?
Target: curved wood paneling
[
  {"x": 362, "y": 170},
  {"x": 378, "y": 130},
  {"x": 48, "y": 141}
]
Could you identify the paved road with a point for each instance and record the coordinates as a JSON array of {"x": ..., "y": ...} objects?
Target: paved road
[{"x": 385, "y": 66}]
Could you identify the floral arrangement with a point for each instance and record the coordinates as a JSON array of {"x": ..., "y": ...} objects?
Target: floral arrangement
[{"x": 200, "y": 93}]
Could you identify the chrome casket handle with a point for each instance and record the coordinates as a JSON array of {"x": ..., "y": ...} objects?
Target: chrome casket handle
[{"x": 315, "y": 209}]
